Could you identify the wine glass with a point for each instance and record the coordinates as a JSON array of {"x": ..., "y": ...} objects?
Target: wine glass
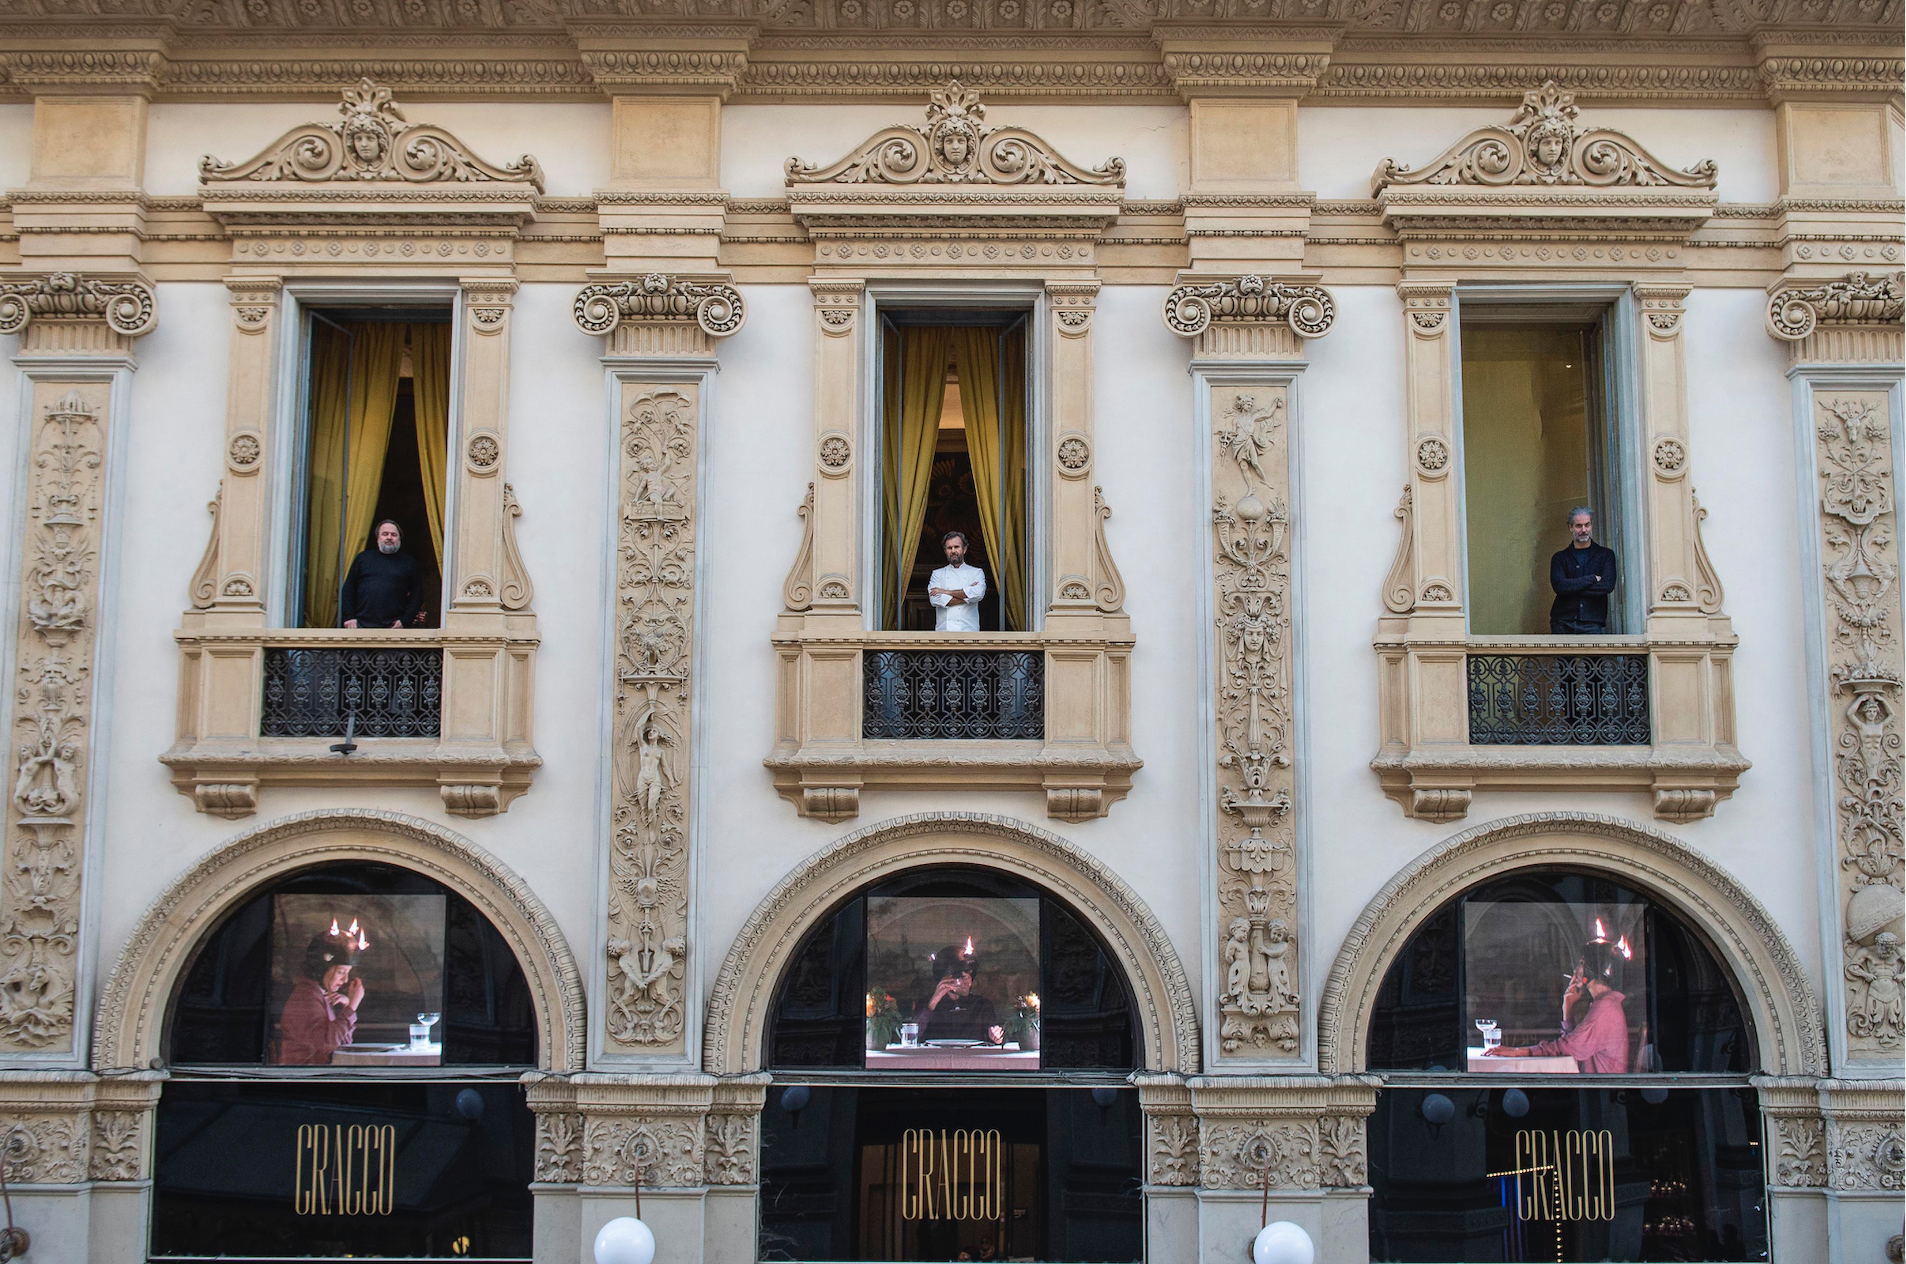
[{"x": 426, "y": 1021}]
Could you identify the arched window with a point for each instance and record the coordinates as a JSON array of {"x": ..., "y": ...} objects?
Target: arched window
[
  {"x": 344, "y": 1049},
  {"x": 1566, "y": 1067},
  {"x": 950, "y": 1050}
]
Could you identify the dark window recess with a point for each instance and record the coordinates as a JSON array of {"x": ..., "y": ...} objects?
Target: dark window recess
[
  {"x": 440, "y": 1170},
  {"x": 400, "y": 497},
  {"x": 1605, "y": 1174},
  {"x": 1067, "y": 1183},
  {"x": 221, "y": 1013},
  {"x": 1685, "y": 1015},
  {"x": 380, "y": 692},
  {"x": 961, "y": 694},
  {"x": 1558, "y": 700},
  {"x": 819, "y": 1010}
]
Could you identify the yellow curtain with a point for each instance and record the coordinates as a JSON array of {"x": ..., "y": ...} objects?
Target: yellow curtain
[
  {"x": 992, "y": 397},
  {"x": 430, "y": 386},
  {"x": 914, "y": 389},
  {"x": 348, "y": 442}
]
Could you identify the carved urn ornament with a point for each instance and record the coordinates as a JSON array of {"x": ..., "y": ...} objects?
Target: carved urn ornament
[
  {"x": 1545, "y": 144},
  {"x": 373, "y": 141},
  {"x": 954, "y": 149}
]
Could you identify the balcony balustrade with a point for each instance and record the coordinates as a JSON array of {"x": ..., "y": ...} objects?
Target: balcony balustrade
[
  {"x": 1558, "y": 700},
  {"x": 954, "y": 694},
  {"x": 325, "y": 691}
]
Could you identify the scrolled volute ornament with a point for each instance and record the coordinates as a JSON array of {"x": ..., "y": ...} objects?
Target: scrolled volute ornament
[
  {"x": 953, "y": 148},
  {"x": 716, "y": 307},
  {"x": 127, "y": 307},
  {"x": 1307, "y": 309},
  {"x": 1859, "y": 298},
  {"x": 372, "y": 141},
  {"x": 1545, "y": 144}
]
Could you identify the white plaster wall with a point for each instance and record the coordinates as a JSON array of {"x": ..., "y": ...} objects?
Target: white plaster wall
[
  {"x": 1339, "y": 147},
  {"x": 570, "y": 140},
  {"x": 757, "y": 140},
  {"x": 16, "y": 145}
]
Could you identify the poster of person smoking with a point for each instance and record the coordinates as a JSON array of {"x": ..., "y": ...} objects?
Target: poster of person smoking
[
  {"x": 953, "y": 984},
  {"x": 357, "y": 980},
  {"x": 1555, "y": 989}
]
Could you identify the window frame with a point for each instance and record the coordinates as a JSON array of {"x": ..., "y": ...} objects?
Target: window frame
[
  {"x": 291, "y": 396},
  {"x": 1616, "y": 438},
  {"x": 1029, "y": 300}
]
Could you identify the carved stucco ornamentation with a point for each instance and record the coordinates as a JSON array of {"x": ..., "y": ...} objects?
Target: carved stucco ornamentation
[
  {"x": 715, "y": 307},
  {"x": 1857, "y": 299},
  {"x": 1398, "y": 596},
  {"x": 1258, "y": 964},
  {"x": 40, "y": 886},
  {"x": 1307, "y": 309},
  {"x": 953, "y": 148},
  {"x": 1545, "y": 144},
  {"x": 205, "y": 578},
  {"x": 1866, "y": 1156},
  {"x": 558, "y": 1147},
  {"x": 1174, "y": 1149},
  {"x": 126, "y": 306},
  {"x": 1858, "y": 524},
  {"x": 371, "y": 142},
  {"x": 728, "y": 1153},
  {"x": 1800, "y": 1160},
  {"x": 648, "y": 861},
  {"x": 667, "y": 1150},
  {"x": 44, "y": 1150},
  {"x": 1324, "y": 1152},
  {"x": 118, "y": 1150},
  {"x": 797, "y": 591}
]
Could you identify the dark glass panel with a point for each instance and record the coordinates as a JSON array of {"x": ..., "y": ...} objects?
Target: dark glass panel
[
  {"x": 448, "y": 1179},
  {"x": 819, "y": 1016}
]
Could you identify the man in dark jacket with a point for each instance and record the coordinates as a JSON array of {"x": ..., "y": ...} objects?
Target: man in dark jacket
[
  {"x": 381, "y": 590},
  {"x": 1582, "y": 575}
]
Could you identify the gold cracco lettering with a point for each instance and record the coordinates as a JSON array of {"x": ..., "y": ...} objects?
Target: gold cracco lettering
[
  {"x": 954, "y": 1175},
  {"x": 345, "y": 1171},
  {"x": 1564, "y": 1174}
]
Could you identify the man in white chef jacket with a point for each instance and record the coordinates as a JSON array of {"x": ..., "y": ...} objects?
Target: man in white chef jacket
[{"x": 956, "y": 588}]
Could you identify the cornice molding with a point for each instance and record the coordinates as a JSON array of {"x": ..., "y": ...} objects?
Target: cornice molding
[
  {"x": 954, "y": 149},
  {"x": 373, "y": 142},
  {"x": 714, "y": 305},
  {"x": 1795, "y": 309},
  {"x": 1477, "y": 79},
  {"x": 1545, "y": 145},
  {"x": 1786, "y": 76},
  {"x": 127, "y": 306}
]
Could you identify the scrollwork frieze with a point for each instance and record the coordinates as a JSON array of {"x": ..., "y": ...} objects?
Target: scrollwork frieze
[
  {"x": 714, "y": 306},
  {"x": 127, "y": 306}
]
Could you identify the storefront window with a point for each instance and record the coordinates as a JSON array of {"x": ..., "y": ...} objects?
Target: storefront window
[
  {"x": 344, "y": 1051},
  {"x": 1528, "y": 1032}
]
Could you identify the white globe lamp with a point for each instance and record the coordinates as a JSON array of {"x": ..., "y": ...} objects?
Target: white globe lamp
[
  {"x": 1282, "y": 1243},
  {"x": 626, "y": 1240}
]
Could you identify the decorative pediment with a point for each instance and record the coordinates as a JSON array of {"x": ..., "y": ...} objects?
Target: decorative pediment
[
  {"x": 953, "y": 148},
  {"x": 372, "y": 142},
  {"x": 1546, "y": 144}
]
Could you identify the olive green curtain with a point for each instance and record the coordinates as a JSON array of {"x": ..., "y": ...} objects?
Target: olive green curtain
[
  {"x": 349, "y": 437},
  {"x": 992, "y": 397},
  {"x": 430, "y": 386},
  {"x": 914, "y": 389}
]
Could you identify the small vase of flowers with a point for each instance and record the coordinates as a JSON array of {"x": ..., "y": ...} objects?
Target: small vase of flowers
[
  {"x": 1022, "y": 1024},
  {"x": 883, "y": 1020}
]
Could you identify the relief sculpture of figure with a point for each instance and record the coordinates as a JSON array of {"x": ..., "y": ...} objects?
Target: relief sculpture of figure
[
  {"x": 1237, "y": 960},
  {"x": 48, "y": 781},
  {"x": 1880, "y": 972},
  {"x": 1277, "y": 951}
]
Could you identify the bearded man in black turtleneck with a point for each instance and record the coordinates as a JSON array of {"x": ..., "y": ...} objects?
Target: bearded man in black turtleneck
[{"x": 381, "y": 590}]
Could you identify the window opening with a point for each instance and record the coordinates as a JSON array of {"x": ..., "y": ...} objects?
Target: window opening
[
  {"x": 953, "y": 447},
  {"x": 376, "y": 448},
  {"x": 1539, "y": 441}
]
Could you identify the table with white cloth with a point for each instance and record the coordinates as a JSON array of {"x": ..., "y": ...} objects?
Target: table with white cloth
[
  {"x": 951, "y": 1057},
  {"x": 387, "y": 1055},
  {"x": 1479, "y": 1061}
]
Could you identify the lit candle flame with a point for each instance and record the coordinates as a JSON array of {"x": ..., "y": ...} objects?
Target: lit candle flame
[
  {"x": 353, "y": 929},
  {"x": 1628, "y": 954},
  {"x": 362, "y": 942},
  {"x": 969, "y": 947},
  {"x": 335, "y": 932},
  {"x": 1601, "y": 932}
]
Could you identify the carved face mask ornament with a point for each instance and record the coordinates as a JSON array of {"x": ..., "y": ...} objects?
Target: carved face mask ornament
[{"x": 1548, "y": 148}]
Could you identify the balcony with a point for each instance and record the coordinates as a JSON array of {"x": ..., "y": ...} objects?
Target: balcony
[
  {"x": 924, "y": 710},
  {"x": 1461, "y": 714},
  {"x": 425, "y": 707}
]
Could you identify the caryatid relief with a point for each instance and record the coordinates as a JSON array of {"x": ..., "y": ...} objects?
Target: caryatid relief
[
  {"x": 954, "y": 148},
  {"x": 1545, "y": 144},
  {"x": 372, "y": 141}
]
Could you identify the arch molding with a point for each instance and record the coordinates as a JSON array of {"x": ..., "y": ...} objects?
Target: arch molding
[
  {"x": 130, "y": 1027},
  {"x": 735, "y": 1037},
  {"x": 1780, "y": 1002}
]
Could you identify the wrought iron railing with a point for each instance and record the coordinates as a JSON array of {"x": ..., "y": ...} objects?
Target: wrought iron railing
[
  {"x": 1558, "y": 700},
  {"x": 377, "y": 691},
  {"x": 933, "y": 693}
]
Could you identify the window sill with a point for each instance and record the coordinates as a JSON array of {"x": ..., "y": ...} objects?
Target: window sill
[
  {"x": 1428, "y": 765},
  {"x": 481, "y": 760},
  {"x": 1084, "y": 763}
]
